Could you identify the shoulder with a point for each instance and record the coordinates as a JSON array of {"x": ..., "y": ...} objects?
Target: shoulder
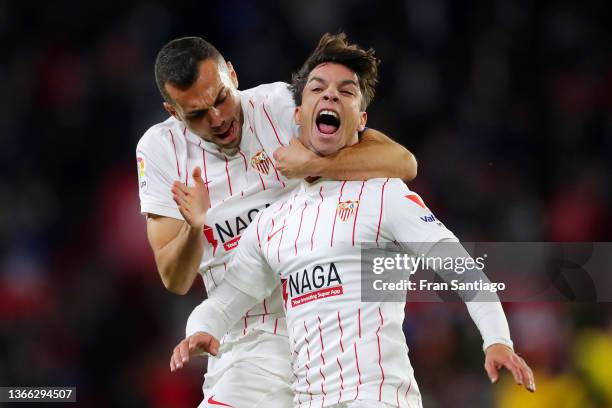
[
  {"x": 162, "y": 139},
  {"x": 386, "y": 184},
  {"x": 275, "y": 96},
  {"x": 268, "y": 91},
  {"x": 160, "y": 136}
]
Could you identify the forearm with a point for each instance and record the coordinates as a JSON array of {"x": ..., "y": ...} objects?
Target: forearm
[
  {"x": 374, "y": 156},
  {"x": 483, "y": 306},
  {"x": 217, "y": 314},
  {"x": 179, "y": 260}
]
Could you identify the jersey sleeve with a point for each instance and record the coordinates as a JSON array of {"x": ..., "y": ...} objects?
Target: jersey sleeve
[
  {"x": 155, "y": 178},
  {"x": 248, "y": 270},
  {"x": 408, "y": 220}
]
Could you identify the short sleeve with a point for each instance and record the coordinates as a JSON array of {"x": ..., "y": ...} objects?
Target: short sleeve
[
  {"x": 155, "y": 181},
  {"x": 408, "y": 220},
  {"x": 248, "y": 270}
]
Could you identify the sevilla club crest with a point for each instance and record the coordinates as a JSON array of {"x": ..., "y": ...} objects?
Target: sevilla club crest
[
  {"x": 261, "y": 162},
  {"x": 346, "y": 209}
]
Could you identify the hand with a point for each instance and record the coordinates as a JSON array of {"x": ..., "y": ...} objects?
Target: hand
[
  {"x": 195, "y": 345},
  {"x": 500, "y": 355},
  {"x": 293, "y": 160},
  {"x": 193, "y": 202}
]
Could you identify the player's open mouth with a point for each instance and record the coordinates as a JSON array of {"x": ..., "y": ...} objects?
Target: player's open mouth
[
  {"x": 327, "y": 122},
  {"x": 229, "y": 135}
]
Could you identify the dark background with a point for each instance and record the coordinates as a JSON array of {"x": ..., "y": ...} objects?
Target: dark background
[{"x": 506, "y": 104}]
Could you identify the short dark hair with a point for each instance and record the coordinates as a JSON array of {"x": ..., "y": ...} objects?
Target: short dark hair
[
  {"x": 178, "y": 62},
  {"x": 335, "y": 48}
]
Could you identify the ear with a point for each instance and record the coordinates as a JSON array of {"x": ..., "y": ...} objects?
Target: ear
[
  {"x": 362, "y": 121},
  {"x": 232, "y": 74},
  {"x": 170, "y": 109},
  {"x": 296, "y": 115}
]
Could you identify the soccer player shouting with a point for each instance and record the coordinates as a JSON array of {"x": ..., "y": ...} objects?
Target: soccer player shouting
[
  {"x": 345, "y": 352},
  {"x": 211, "y": 163}
]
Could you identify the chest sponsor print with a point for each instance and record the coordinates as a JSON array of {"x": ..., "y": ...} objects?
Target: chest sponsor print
[{"x": 319, "y": 282}]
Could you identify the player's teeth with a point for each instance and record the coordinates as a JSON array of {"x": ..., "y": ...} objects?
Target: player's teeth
[{"x": 328, "y": 112}]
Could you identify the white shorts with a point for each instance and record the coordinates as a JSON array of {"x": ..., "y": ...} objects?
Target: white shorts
[{"x": 252, "y": 372}]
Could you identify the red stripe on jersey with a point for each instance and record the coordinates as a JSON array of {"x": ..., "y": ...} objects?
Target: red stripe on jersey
[
  {"x": 358, "y": 370},
  {"x": 277, "y": 176},
  {"x": 357, "y": 211},
  {"x": 306, "y": 364},
  {"x": 317, "y": 218},
  {"x": 229, "y": 181},
  {"x": 275, "y": 325},
  {"x": 245, "y": 160},
  {"x": 210, "y": 271},
  {"x": 322, "y": 358},
  {"x": 321, "y": 340},
  {"x": 359, "y": 320},
  {"x": 251, "y": 103},
  {"x": 331, "y": 242},
  {"x": 382, "y": 194},
  {"x": 300, "y": 227},
  {"x": 382, "y": 372},
  {"x": 263, "y": 318},
  {"x": 306, "y": 340},
  {"x": 341, "y": 380},
  {"x": 205, "y": 172},
  {"x": 258, "y": 236},
  {"x": 294, "y": 358},
  {"x": 281, "y": 239},
  {"x": 178, "y": 170},
  {"x": 341, "y": 331},
  {"x": 397, "y": 394},
  {"x": 263, "y": 185},
  {"x": 245, "y": 323},
  {"x": 272, "y": 124},
  {"x": 407, "y": 389}
]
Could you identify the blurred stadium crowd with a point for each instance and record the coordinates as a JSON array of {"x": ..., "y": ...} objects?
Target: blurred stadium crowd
[{"x": 506, "y": 104}]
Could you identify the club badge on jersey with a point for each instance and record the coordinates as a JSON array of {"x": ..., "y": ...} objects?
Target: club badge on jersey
[
  {"x": 346, "y": 209},
  {"x": 261, "y": 162}
]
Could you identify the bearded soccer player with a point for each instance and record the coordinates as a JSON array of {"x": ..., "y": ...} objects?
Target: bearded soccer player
[
  {"x": 212, "y": 163},
  {"x": 345, "y": 352}
]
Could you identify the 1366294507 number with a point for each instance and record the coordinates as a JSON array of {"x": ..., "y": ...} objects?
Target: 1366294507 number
[{"x": 15, "y": 394}]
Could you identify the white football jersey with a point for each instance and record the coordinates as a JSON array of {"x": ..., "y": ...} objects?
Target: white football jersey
[
  {"x": 239, "y": 186},
  {"x": 343, "y": 348}
]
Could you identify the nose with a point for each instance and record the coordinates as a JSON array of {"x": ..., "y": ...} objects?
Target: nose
[
  {"x": 331, "y": 94},
  {"x": 215, "y": 117}
]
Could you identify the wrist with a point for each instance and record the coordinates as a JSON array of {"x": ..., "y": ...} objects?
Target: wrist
[
  {"x": 497, "y": 345},
  {"x": 316, "y": 167}
]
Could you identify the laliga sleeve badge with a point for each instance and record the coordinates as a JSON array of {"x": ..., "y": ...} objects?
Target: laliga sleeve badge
[{"x": 142, "y": 178}]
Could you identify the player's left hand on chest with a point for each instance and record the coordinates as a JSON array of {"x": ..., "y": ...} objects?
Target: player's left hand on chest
[{"x": 292, "y": 160}]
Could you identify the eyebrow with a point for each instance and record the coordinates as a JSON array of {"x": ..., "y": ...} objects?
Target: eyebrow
[
  {"x": 342, "y": 83},
  {"x": 204, "y": 110}
]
